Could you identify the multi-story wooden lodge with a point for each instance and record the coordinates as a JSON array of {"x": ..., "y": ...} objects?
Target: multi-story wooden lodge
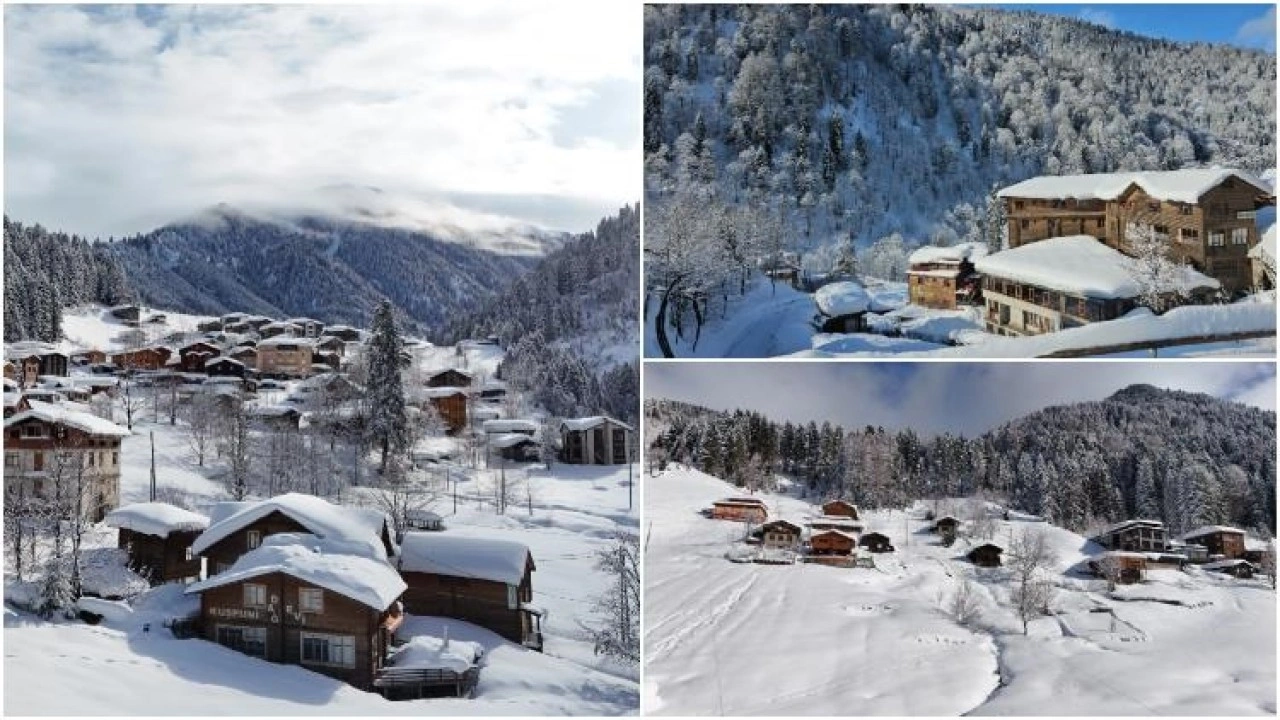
[
  {"x": 157, "y": 538},
  {"x": 1218, "y": 540},
  {"x": 1061, "y": 283},
  {"x": 284, "y": 356},
  {"x": 780, "y": 534},
  {"x": 47, "y": 444},
  {"x": 945, "y": 277},
  {"x": 746, "y": 509},
  {"x": 1207, "y": 215},
  {"x": 598, "y": 440},
  {"x": 235, "y": 528},
  {"x": 149, "y": 358},
  {"x": 482, "y": 581},
  {"x": 1134, "y": 536},
  {"x": 301, "y": 600}
]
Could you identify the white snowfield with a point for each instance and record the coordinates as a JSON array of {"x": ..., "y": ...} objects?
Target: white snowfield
[
  {"x": 754, "y": 639},
  {"x": 1186, "y": 186},
  {"x": 1079, "y": 265},
  {"x": 950, "y": 254},
  {"x": 842, "y": 298},
  {"x": 155, "y": 518},
  {"x": 327, "y": 564}
]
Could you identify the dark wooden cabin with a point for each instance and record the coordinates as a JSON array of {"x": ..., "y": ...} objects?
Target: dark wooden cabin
[
  {"x": 1218, "y": 540},
  {"x": 876, "y": 542},
  {"x": 985, "y": 555},
  {"x": 328, "y": 612},
  {"x": 479, "y": 580},
  {"x": 1134, "y": 536},
  {"x": 157, "y": 538},
  {"x": 450, "y": 378},
  {"x": 225, "y": 367},
  {"x": 840, "y": 507},
  {"x": 1124, "y": 566}
]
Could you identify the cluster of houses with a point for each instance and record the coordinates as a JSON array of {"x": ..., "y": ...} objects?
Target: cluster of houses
[
  {"x": 1134, "y": 546},
  {"x": 296, "y": 579},
  {"x": 1067, "y": 262},
  {"x": 834, "y": 537}
]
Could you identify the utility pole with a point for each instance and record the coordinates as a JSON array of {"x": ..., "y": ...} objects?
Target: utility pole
[
  {"x": 630, "y": 483},
  {"x": 153, "y": 465}
]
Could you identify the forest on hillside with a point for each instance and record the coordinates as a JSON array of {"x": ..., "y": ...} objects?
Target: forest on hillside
[{"x": 1185, "y": 458}]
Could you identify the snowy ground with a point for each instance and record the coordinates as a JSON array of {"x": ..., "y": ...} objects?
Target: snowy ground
[
  {"x": 749, "y": 639},
  {"x": 779, "y": 321}
]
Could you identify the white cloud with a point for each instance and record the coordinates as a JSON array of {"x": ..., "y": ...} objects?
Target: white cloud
[
  {"x": 1260, "y": 32},
  {"x": 967, "y": 398},
  {"x": 118, "y": 118},
  {"x": 1097, "y": 16}
]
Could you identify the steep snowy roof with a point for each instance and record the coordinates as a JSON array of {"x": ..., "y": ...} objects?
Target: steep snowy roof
[
  {"x": 1116, "y": 527},
  {"x": 433, "y": 653},
  {"x": 587, "y": 423},
  {"x": 501, "y": 561},
  {"x": 439, "y": 392},
  {"x": 321, "y": 517},
  {"x": 833, "y": 531},
  {"x": 507, "y": 440},
  {"x": 1210, "y": 530},
  {"x": 509, "y": 426},
  {"x": 1077, "y": 265},
  {"x": 842, "y": 298},
  {"x": 224, "y": 361},
  {"x": 64, "y": 415},
  {"x": 315, "y": 561},
  {"x": 285, "y": 340},
  {"x": 953, "y": 253},
  {"x": 1173, "y": 185},
  {"x": 155, "y": 518},
  {"x": 1224, "y": 564}
]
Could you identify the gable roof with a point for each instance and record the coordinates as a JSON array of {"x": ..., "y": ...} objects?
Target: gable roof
[
  {"x": 1211, "y": 530},
  {"x": 332, "y": 566},
  {"x": 950, "y": 254},
  {"x": 155, "y": 518},
  {"x": 501, "y": 561},
  {"x": 327, "y": 521},
  {"x": 586, "y": 423},
  {"x": 61, "y": 415},
  {"x": 1185, "y": 186}
]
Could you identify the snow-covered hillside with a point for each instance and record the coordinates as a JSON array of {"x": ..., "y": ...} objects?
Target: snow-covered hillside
[{"x": 753, "y": 639}]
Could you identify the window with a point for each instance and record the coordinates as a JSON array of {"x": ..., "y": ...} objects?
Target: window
[
  {"x": 248, "y": 640},
  {"x": 1162, "y": 231},
  {"x": 11, "y": 461},
  {"x": 91, "y": 459},
  {"x": 37, "y": 461},
  {"x": 1217, "y": 239},
  {"x": 339, "y": 650},
  {"x": 221, "y": 568},
  {"x": 1189, "y": 235},
  {"x": 311, "y": 600},
  {"x": 255, "y": 595},
  {"x": 1154, "y": 206},
  {"x": 1026, "y": 224},
  {"x": 512, "y": 599},
  {"x": 1186, "y": 209},
  {"x": 34, "y": 430},
  {"x": 187, "y": 555},
  {"x": 115, "y": 458},
  {"x": 1240, "y": 236},
  {"x": 254, "y": 538}
]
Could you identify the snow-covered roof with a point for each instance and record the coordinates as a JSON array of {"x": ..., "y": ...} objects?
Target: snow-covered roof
[
  {"x": 460, "y": 371},
  {"x": 285, "y": 340},
  {"x": 64, "y": 415},
  {"x": 1173, "y": 185},
  {"x": 507, "y": 440},
  {"x": 834, "y": 531},
  {"x": 433, "y": 653},
  {"x": 842, "y": 298},
  {"x": 501, "y": 561},
  {"x": 1224, "y": 564},
  {"x": 1124, "y": 554},
  {"x": 439, "y": 392},
  {"x": 1210, "y": 530},
  {"x": 1077, "y": 265},
  {"x": 950, "y": 254},
  {"x": 318, "y": 562},
  {"x": 155, "y": 518},
  {"x": 1116, "y": 527},
  {"x": 586, "y": 423},
  {"x": 510, "y": 426},
  {"x": 224, "y": 360},
  {"x": 328, "y": 521}
]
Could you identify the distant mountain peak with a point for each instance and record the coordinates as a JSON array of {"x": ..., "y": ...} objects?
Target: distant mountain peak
[{"x": 1138, "y": 392}]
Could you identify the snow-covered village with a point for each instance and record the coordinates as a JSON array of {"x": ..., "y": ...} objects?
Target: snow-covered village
[
  {"x": 919, "y": 180},
  {"x": 319, "y": 400},
  {"x": 873, "y": 542}
]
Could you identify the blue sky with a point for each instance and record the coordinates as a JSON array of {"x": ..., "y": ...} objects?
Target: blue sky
[
  {"x": 966, "y": 398},
  {"x": 1244, "y": 25}
]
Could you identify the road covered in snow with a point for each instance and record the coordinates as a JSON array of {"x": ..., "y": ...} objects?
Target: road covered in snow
[{"x": 753, "y": 639}]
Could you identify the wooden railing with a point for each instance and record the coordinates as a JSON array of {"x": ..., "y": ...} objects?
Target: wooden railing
[{"x": 410, "y": 683}]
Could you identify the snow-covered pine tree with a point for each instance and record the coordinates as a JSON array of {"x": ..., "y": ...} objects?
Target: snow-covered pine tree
[{"x": 384, "y": 391}]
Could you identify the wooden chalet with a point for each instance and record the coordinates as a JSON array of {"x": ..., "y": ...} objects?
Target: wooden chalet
[
  {"x": 331, "y": 345},
  {"x": 246, "y": 354},
  {"x": 1126, "y": 567},
  {"x": 450, "y": 378},
  {"x": 89, "y": 357},
  {"x": 15, "y": 401},
  {"x": 746, "y": 509},
  {"x": 309, "y": 327},
  {"x": 1065, "y": 282},
  {"x": 1218, "y": 540},
  {"x": 599, "y": 440},
  {"x": 1208, "y": 216},
  {"x": 985, "y": 555},
  {"x": 209, "y": 326},
  {"x": 946, "y": 526},
  {"x": 128, "y": 313},
  {"x": 945, "y": 277},
  {"x": 342, "y": 332},
  {"x": 832, "y": 542},
  {"x": 301, "y": 600},
  {"x": 278, "y": 329},
  {"x": 10, "y": 370},
  {"x": 840, "y": 508},
  {"x": 1134, "y": 536},
  {"x": 29, "y": 371},
  {"x": 48, "y": 360},
  {"x": 193, "y": 357},
  {"x": 842, "y": 307},
  {"x": 225, "y": 367},
  {"x": 482, "y": 581},
  {"x": 781, "y": 535},
  {"x": 235, "y": 528},
  {"x": 46, "y": 440},
  {"x": 1238, "y": 568},
  {"x": 149, "y": 358},
  {"x": 875, "y": 542},
  {"x": 451, "y": 403},
  {"x": 157, "y": 538}
]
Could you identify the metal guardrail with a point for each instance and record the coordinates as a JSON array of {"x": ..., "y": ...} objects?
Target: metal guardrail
[{"x": 1155, "y": 345}]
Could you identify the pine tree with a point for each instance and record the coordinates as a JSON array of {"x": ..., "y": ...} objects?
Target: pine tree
[
  {"x": 388, "y": 426},
  {"x": 1146, "y": 496}
]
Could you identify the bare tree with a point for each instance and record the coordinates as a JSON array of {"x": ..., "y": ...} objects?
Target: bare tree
[
  {"x": 1158, "y": 276},
  {"x": 964, "y": 607},
  {"x": 235, "y": 444},
  {"x": 400, "y": 497},
  {"x": 979, "y": 524},
  {"x": 1110, "y": 568},
  {"x": 201, "y": 415},
  {"x": 131, "y": 399},
  {"x": 618, "y": 635},
  {"x": 1268, "y": 563},
  {"x": 1030, "y": 559}
]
